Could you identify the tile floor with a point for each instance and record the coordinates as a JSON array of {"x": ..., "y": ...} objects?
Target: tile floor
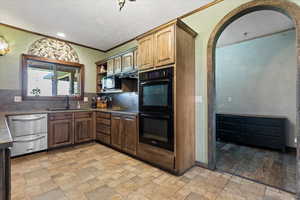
[
  {"x": 95, "y": 172},
  {"x": 266, "y": 166}
]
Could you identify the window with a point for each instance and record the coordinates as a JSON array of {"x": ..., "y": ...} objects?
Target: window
[{"x": 51, "y": 79}]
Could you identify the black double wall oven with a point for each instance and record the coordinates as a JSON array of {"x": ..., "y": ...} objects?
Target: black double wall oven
[{"x": 156, "y": 108}]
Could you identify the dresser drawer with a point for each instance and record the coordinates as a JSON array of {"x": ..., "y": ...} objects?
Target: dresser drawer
[
  {"x": 79, "y": 115},
  {"x": 60, "y": 116},
  {"x": 103, "y": 138},
  {"x": 103, "y": 115},
  {"x": 156, "y": 156},
  {"x": 103, "y": 128},
  {"x": 103, "y": 121}
]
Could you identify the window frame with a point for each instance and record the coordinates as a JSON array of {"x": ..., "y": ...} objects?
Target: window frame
[{"x": 24, "y": 76}]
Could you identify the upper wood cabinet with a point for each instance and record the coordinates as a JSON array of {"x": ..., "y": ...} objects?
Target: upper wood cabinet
[
  {"x": 164, "y": 43},
  {"x": 146, "y": 54},
  {"x": 159, "y": 47},
  {"x": 118, "y": 65},
  {"x": 110, "y": 67},
  {"x": 127, "y": 62},
  {"x": 135, "y": 62}
]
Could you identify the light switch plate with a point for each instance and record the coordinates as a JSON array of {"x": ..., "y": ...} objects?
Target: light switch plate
[
  {"x": 18, "y": 99},
  {"x": 295, "y": 140},
  {"x": 199, "y": 99},
  {"x": 86, "y": 99}
]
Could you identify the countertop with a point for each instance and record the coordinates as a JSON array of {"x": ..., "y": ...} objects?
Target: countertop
[{"x": 5, "y": 135}]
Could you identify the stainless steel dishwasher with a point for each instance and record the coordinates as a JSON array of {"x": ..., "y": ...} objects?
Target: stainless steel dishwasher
[{"x": 29, "y": 133}]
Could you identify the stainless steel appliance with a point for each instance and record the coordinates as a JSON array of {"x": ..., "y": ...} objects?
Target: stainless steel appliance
[
  {"x": 111, "y": 83},
  {"x": 156, "y": 108},
  {"x": 29, "y": 133}
]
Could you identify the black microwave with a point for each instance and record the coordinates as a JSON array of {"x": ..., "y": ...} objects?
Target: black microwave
[{"x": 111, "y": 83}]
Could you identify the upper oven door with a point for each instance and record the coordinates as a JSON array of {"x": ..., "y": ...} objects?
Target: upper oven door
[{"x": 156, "y": 95}]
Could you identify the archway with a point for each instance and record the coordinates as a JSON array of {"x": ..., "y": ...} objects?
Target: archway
[{"x": 290, "y": 9}]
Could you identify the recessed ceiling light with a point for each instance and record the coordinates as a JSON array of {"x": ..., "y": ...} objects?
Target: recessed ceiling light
[{"x": 61, "y": 34}]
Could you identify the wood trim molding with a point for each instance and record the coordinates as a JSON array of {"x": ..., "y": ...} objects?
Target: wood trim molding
[
  {"x": 181, "y": 17},
  {"x": 24, "y": 77},
  {"x": 47, "y": 36}
]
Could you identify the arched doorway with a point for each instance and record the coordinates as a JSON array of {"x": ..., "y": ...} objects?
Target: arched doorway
[{"x": 288, "y": 8}]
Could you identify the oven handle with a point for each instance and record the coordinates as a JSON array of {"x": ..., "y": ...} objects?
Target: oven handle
[
  {"x": 156, "y": 81},
  {"x": 31, "y": 140},
  {"x": 156, "y": 116}
]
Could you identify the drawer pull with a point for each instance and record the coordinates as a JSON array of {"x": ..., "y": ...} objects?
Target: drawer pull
[
  {"x": 29, "y": 119},
  {"x": 31, "y": 140}
]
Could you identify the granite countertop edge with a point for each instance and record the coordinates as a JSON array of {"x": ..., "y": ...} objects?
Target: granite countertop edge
[{"x": 6, "y": 139}]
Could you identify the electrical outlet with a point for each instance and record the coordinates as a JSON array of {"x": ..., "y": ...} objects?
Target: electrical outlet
[
  {"x": 295, "y": 140},
  {"x": 229, "y": 99},
  {"x": 86, "y": 99},
  {"x": 18, "y": 99}
]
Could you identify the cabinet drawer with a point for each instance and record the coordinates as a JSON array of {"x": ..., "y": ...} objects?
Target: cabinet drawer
[
  {"x": 103, "y": 128},
  {"x": 103, "y": 138},
  {"x": 79, "y": 115},
  {"x": 103, "y": 121},
  {"x": 103, "y": 115},
  {"x": 60, "y": 116},
  {"x": 156, "y": 156}
]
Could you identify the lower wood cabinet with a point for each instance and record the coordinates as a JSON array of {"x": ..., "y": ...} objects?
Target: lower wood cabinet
[
  {"x": 116, "y": 131},
  {"x": 60, "y": 132},
  {"x": 103, "y": 129},
  {"x": 83, "y": 127},
  {"x": 69, "y": 128},
  {"x": 124, "y": 133}
]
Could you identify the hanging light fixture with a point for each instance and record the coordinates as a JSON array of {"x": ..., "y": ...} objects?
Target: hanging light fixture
[
  {"x": 4, "y": 46},
  {"x": 122, "y": 3}
]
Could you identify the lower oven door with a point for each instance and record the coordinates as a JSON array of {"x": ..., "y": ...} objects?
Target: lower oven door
[
  {"x": 157, "y": 130},
  {"x": 29, "y": 144}
]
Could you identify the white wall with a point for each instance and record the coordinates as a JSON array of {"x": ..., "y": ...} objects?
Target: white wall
[{"x": 260, "y": 77}]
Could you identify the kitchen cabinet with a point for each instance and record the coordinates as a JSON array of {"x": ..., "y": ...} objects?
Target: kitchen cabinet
[
  {"x": 116, "y": 131},
  {"x": 5, "y": 174},
  {"x": 103, "y": 128},
  {"x": 83, "y": 127},
  {"x": 60, "y": 131},
  {"x": 146, "y": 54},
  {"x": 129, "y": 134},
  {"x": 164, "y": 43},
  {"x": 118, "y": 65},
  {"x": 124, "y": 132},
  {"x": 135, "y": 57},
  {"x": 127, "y": 62},
  {"x": 110, "y": 67}
]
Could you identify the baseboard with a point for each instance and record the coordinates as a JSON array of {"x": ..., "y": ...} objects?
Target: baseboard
[{"x": 202, "y": 164}]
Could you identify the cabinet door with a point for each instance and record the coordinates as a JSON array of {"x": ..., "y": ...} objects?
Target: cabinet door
[
  {"x": 127, "y": 62},
  {"x": 110, "y": 67},
  {"x": 135, "y": 59},
  {"x": 129, "y": 134},
  {"x": 83, "y": 130},
  {"x": 118, "y": 65},
  {"x": 116, "y": 131},
  {"x": 60, "y": 133},
  {"x": 145, "y": 55},
  {"x": 164, "y": 46}
]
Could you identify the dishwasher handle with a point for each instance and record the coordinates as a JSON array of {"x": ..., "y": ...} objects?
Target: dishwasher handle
[
  {"x": 29, "y": 119},
  {"x": 30, "y": 140}
]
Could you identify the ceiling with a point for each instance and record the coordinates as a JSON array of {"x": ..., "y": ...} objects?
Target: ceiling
[
  {"x": 94, "y": 23},
  {"x": 255, "y": 24}
]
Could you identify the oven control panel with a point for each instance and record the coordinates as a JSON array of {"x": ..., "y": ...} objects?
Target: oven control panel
[{"x": 157, "y": 74}]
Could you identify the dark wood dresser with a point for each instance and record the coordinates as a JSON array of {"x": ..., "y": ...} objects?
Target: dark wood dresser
[{"x": 260, "y": 131}]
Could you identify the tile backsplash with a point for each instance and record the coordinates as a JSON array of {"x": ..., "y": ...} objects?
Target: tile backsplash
[{"x": 7, "y": 102}]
